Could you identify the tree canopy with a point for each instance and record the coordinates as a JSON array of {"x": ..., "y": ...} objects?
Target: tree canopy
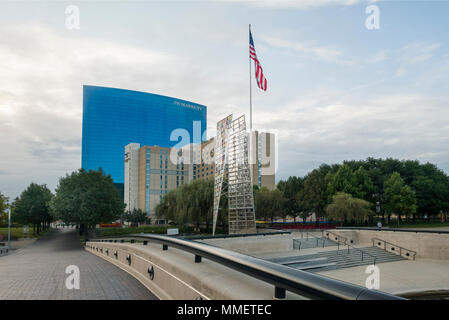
[
  {"x": 32, "y": 207},
  {"x": 344, "y": 207},
  {"x": 87, "y": 198},
  {"x": 192, "y": 203},
  {"x": 365, "y": 179},
  {"x": 398, "y": 197},
  {"x": 134, "y": 216},
  {"x": 3, "y": 206}
]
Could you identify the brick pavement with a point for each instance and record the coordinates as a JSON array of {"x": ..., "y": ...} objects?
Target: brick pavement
[{"x": 38, "y": 272}]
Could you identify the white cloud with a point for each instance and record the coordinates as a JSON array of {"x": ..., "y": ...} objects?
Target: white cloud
[
  {"x": 300, "y": 4},
  {"x": 313, "y": 131},
  {"x": 43, "y": 71},
  {"x": 415, "y": 54},
  {"x": 323, "y": 53}
]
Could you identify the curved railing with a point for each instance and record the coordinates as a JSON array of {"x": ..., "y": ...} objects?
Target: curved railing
[
  {"x": 417, "y": 230},
  {"x": 283, "y": 278}
]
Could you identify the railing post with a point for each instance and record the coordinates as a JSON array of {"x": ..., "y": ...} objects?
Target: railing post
[{"x": 279, "y": 293}]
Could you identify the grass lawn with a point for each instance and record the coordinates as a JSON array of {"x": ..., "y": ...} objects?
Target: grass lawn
[
  {"x": 106, "y": 232},
  {"x": 420, "y": 224},
  {"x": 17, "y": 232},
  {"x": 156, "y": 229}
]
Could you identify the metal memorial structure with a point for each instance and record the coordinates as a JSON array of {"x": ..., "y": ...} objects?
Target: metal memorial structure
[
  {"x": 231, "y": 148},
  {"x": 220, "y": 163}
]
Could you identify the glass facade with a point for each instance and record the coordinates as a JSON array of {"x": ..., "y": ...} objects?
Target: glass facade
[{"x": 113, "y": 118}]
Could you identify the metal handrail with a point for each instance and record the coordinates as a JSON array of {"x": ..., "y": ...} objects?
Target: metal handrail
[
  {"x": 394, "y": 245},
  {"x": 336, "y": 235},
  {"x": 363, "y": 252},
  {"x": 222, "y": 236},
  {"x": 347, "y": 244},
  {"x": 394, "y": 230},
  {"x": 307, "y": 237},
  {"x": 283, "y": 278}
]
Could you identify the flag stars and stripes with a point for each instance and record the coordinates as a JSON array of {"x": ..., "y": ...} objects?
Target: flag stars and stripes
[{"x": 261, "y": 80}]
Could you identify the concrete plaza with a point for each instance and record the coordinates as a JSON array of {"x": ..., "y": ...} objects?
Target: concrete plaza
[{"x": 38, "y": 272}]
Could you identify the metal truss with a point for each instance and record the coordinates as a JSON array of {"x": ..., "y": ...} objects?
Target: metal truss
[
  {"x": 240, "y": 188},
  {"x": 220, "y": 153}
]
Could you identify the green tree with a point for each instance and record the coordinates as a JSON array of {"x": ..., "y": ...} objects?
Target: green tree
[
  {"x": 3, "y": 206},
  {"x": 32, "y": 207},
  {"x": 86, "y": 198},
  {"x": 398, "y": 198},
  {"x": 135, "y": 217},
  {"x": 313, "y": 197},
  {"x": 262, "y": 204},
  {"x": 345, "y": 208},
  {"x": 270, "y": 204},
  {"x": 357, "y": 183},
  {"x": 190, "y": 203},
  {"x": 290, "y": 189}
]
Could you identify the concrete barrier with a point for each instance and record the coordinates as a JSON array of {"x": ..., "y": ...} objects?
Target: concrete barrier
[
  {"x": 256, "y": 245},
  {"x": 174, "y": 274},
  {"x": 426, "y": 245}
]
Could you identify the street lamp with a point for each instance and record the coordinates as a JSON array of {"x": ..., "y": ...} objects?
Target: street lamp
[{"x": 9, "y": 228}]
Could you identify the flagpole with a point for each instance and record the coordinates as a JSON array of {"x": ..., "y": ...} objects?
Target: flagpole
[{"x": 250, "y": 94}]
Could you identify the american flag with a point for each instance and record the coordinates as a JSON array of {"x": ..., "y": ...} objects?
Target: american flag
[{"x": 261, "y": 80}]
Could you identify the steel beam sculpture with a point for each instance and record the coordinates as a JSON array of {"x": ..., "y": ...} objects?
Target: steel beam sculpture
[{"x": 231, "y": 148}]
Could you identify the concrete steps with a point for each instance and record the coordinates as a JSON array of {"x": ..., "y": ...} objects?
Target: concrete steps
[
  {"x": 312, "y": 242},
  {"x": 337, "y": 259}
]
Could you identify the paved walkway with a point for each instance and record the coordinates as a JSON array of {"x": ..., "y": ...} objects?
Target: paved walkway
[
  {"x": 401, "y": 276},
  {"x": 38, "y": 272}
]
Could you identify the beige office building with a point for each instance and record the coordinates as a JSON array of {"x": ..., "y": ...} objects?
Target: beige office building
[{"x": 163, "y": 169}]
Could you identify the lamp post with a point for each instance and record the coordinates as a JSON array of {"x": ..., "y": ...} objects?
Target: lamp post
[{"x": 9, "y": 228}]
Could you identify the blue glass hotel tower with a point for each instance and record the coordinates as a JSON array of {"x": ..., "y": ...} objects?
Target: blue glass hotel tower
[{"x": 113, "y": 118}]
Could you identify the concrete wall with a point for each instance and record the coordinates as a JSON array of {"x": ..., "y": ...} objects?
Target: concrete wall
[
  {"x": 426, "y": 245},
  {"x": 257, "y": 244},
  {"x": 177, "y": 276}
]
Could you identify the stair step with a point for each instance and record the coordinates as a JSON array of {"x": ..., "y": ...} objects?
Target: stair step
[
  {"x": 303, "y": 261},
  {"x": 337, "y": 259}
]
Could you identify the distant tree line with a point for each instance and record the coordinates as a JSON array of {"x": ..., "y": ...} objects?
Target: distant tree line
[
  {"x": 405, "y": 188},
  {"x": 354, "y": 191}
]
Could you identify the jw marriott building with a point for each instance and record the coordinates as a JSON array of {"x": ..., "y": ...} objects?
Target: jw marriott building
[{"x": 133, "y": 136}]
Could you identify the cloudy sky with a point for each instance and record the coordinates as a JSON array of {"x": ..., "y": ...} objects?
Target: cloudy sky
[{"x": 336, "y": 90}]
